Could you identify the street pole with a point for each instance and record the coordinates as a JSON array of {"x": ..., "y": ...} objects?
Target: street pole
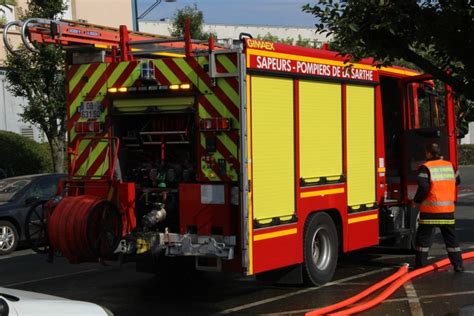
[
  {"x": 4, "y": 102},
  {"x": 135, "y": 15}
]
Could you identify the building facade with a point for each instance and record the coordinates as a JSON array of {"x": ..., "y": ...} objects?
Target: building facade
[
  {"x": 104, "y": 12},
  {"x": 232, "y": 31}
]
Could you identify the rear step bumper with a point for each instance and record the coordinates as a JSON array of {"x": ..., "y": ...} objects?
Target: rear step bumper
[
  {"x": 196, "y": 245},
  {"x": 214, "y": 246}
]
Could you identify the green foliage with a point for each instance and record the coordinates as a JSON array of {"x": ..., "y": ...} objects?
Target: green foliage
[
  {"x": 8, "y": 2},
  {"x": 433, "y": 35},
  {"x": 273, "y": 38},
  {"x": 466, "y": 154},
  {"x": 196, "y": 18},
  {"x": 47, "y": 9},
  {"x": 21, "y": 155},
  {"x": 304, "y": 42},
  {"x": 40, "y": 79}
]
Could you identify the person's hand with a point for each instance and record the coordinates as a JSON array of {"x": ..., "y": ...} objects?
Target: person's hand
[{"x": 413, "y": 204}]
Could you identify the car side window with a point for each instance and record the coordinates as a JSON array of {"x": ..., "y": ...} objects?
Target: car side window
[{"x": 45, "y": 188}]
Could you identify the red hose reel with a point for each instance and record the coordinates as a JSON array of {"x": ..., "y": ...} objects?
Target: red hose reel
[{"x": 85, "y": 228}]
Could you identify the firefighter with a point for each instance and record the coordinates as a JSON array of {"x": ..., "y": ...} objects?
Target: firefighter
[{"x": 436, "y": 195}]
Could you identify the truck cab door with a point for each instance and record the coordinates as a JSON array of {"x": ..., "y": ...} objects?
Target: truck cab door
[{"x": 429, "y": 117}]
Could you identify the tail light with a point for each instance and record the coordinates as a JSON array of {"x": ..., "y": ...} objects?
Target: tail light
[
  {"x": 215, "y": 124},
  {"x": 88, "y": 127}
]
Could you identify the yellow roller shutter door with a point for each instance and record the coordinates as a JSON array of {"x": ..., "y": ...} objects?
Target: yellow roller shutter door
[
  {"x": 272, "y": 148},
  {"x": 360, "y": 145},
  {"x": 320, "y": 130}
]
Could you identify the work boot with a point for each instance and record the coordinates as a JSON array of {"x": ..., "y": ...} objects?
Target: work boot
[
  {"x": 455, "y": 257},
  {"x": 421, "y": 259}
]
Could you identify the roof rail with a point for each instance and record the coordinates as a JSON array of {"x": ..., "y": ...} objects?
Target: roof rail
[{"x": 73, "y": 34}]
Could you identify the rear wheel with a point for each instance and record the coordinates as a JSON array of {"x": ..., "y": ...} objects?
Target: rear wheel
[
  {"x": 8, "y": 238},
  {"x": 320, "y": 249}
]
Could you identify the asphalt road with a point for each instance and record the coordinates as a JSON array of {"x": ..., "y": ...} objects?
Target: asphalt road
[
  {"x": 126, "y": 292},
  {"x": 467, "y": 177}
]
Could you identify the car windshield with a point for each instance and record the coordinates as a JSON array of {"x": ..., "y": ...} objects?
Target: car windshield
[{"x": 9, "y": 187}]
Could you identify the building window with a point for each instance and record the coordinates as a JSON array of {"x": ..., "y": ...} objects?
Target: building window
[{"x": 27, "y": 131}]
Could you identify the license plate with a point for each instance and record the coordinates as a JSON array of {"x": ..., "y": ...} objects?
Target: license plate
[{"x": 90, "y": 109}]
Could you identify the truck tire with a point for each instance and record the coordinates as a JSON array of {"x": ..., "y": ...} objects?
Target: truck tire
[
  {"x": 320, "y": 249},
  {"x": 8, "y": 238}
]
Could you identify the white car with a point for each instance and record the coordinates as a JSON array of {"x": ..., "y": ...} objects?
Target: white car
[{"x": 24, "y": 303}]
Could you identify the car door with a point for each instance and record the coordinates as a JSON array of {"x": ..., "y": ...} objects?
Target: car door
[{"x": 42, "y": 188}]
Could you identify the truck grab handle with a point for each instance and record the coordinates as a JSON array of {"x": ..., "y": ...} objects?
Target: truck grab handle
[
  {"x": 24, "y": 26},
  {"x": 244, "y": 35},
  {"x": 5, "y": 35},
  {"x": 24, "y": 32}
]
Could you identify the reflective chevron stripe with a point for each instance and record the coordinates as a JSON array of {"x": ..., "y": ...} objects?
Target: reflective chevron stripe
[
  {"x": 221, "y": 100},
  {"x": 90, "y": 83},
  {"x": 216, "y": 99}
]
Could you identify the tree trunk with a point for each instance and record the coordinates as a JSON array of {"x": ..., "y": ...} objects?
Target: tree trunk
[{"x": 56, "y": 145}]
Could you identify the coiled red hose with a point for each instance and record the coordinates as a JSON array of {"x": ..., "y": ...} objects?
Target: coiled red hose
[{"x": 84, "y": 228}]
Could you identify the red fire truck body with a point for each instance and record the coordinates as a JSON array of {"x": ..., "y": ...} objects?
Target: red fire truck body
[{"x": 258, "y": 157}]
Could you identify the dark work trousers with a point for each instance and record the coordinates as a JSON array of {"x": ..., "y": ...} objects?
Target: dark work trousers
[{"x": 424, "y": 236}]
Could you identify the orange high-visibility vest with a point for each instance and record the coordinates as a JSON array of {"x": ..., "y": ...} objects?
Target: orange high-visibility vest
[{"x": 442, "y": 193}]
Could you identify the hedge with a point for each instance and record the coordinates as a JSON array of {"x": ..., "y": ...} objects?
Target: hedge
[
  {"x": 20, "y": 155},
  {"x": 466, "y": 154}
]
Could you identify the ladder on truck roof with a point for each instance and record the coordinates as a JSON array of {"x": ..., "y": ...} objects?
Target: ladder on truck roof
[{"x": 120, "y": 42}]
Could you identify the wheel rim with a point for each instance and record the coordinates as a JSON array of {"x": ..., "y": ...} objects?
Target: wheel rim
[
  {"x": 321, "y": 248},
  {"x": 7, "y": 238}
]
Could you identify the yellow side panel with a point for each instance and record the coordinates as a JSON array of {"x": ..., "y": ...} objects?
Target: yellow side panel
[
  {"x": 360, "y": 145},
  {"x": 273, "y": 147},
  {"x": 320, "y": 129}
]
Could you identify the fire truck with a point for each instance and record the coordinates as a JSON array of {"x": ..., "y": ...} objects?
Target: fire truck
[{"x": 249, "y": 156}]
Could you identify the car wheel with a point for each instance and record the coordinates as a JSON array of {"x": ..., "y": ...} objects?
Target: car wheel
[
  {"x": 8, "y": 238},
  {"x": 320, "y": 249}
]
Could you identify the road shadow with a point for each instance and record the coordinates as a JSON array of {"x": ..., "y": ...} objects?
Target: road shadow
[{"x": 464, "y": 231}]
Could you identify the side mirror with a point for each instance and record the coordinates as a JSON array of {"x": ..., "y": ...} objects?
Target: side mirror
[
  {"x": 4, "y": 309},
  {"x": 30, "y": 200}
]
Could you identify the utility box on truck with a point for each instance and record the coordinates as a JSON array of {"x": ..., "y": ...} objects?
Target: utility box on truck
[{"x": 261, "y": 158}]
